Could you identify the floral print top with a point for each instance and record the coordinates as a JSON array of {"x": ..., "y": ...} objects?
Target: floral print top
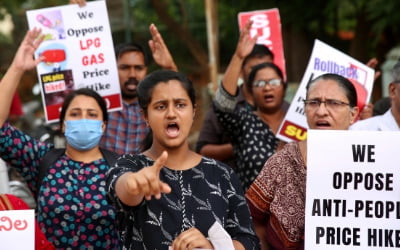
[
  {"x": 207, "y": 193},
  {"x": 72, "y": 209},
  {"x": 277, "y": 198}
]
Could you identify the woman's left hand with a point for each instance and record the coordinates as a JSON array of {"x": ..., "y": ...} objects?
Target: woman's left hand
[{"x": 190, "y": 239}]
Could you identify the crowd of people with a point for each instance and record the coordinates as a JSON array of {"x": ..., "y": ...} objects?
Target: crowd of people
[{"x": 128, "y": 179}]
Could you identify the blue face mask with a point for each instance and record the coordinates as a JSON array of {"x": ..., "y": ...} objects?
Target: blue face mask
[{"x": 83, "y": 134}]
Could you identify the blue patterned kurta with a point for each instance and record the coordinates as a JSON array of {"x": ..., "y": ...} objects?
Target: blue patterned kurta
[
  {"x": 200, "y": 196},
  {"x": 73, "y": 211}
]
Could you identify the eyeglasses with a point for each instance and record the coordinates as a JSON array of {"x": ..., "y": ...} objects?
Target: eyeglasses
[
  {"x": 330, "y": 104},
  {"x": 274, "y": 83}
]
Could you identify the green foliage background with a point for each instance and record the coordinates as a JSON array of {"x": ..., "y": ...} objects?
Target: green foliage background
[{"x": 374, "y": 25}]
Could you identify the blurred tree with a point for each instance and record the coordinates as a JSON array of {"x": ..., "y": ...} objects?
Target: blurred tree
[
  {"x": 16, "y": 9},
  {"x": 362, "y": 28}
]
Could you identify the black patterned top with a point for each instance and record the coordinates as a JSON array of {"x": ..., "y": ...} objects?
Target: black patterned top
[
  {"x": 252, "y": 139},
  {"x": 207, "y": 193}
]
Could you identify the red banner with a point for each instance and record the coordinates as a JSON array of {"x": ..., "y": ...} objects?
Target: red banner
[{"x": 267, "y": 24}]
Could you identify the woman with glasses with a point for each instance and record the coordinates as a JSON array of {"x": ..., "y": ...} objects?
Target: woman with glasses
[
  {"x": 252, "y": 132},
  {"x": 277, "y": 196}
]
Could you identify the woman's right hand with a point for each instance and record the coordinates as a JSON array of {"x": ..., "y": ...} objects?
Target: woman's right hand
[
  {"x": 243, "y": 48},
  {"x": 145, "y": 183},
  {"x": 24, "y": 58},
  {"x": 190, "y": 239}
]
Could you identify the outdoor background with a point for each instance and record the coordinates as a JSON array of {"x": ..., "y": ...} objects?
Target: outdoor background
[{"x": 362, "y": 29}]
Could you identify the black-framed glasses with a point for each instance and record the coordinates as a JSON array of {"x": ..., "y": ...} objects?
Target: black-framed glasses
[
  {"x": 330, "y": 104},
  {"x": 274, "y": 83}
]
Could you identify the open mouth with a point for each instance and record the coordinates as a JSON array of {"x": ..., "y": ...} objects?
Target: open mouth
[
  {"x": 323, "y": 124},
  {"x": 131, "y": 84},
  {"x": 268, "y": 98},
  {"x": 172, "y": 129}
]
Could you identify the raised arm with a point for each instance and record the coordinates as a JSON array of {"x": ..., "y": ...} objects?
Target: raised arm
[
  {"x": 132, "y": 187},
  {"x": 243, "y": 49},
  {"x": 23, "y": 60},
  {"x": 160, "y": 51}
]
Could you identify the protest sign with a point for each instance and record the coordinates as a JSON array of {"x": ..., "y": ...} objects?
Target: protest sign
[
  {"x": 267, "y": 24},
  {"x": 324, "y": 59},
  {"x": 17, "y": 229},
  {"x": 352, "y": 190},
  {"x": 79, "y": 53}
]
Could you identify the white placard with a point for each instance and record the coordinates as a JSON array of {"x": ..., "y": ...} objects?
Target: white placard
[
  {"x": 17, "y": 229},
  {"x": 79, "y": 52},
  {"x": 324, "y": 59},
  {"x": 353, "y": 190}
]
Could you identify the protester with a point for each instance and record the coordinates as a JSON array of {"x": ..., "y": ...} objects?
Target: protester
[
  {"x": 72, "y": 209},
  {"x": 390, "y": 120},
  {"x": 214, "y": 141},
  {"x": 252, "y": 132},
  {"x": 277, "y": 196},
  {"x": 198, "y": 201},
  {"x": 127, "y": 128}
]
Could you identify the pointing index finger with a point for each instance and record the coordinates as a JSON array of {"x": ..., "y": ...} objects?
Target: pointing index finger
[{"x": 159, "y": 163}]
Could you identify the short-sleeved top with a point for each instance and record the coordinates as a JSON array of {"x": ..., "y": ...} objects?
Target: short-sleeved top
[
  {"x": 207, "y": 193},
  {"x": 277, "y": 198},
  {"x": 126, "y": 130},
  {"x": 72, "y": 208},
  {"x": 252, "y": 139}
]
